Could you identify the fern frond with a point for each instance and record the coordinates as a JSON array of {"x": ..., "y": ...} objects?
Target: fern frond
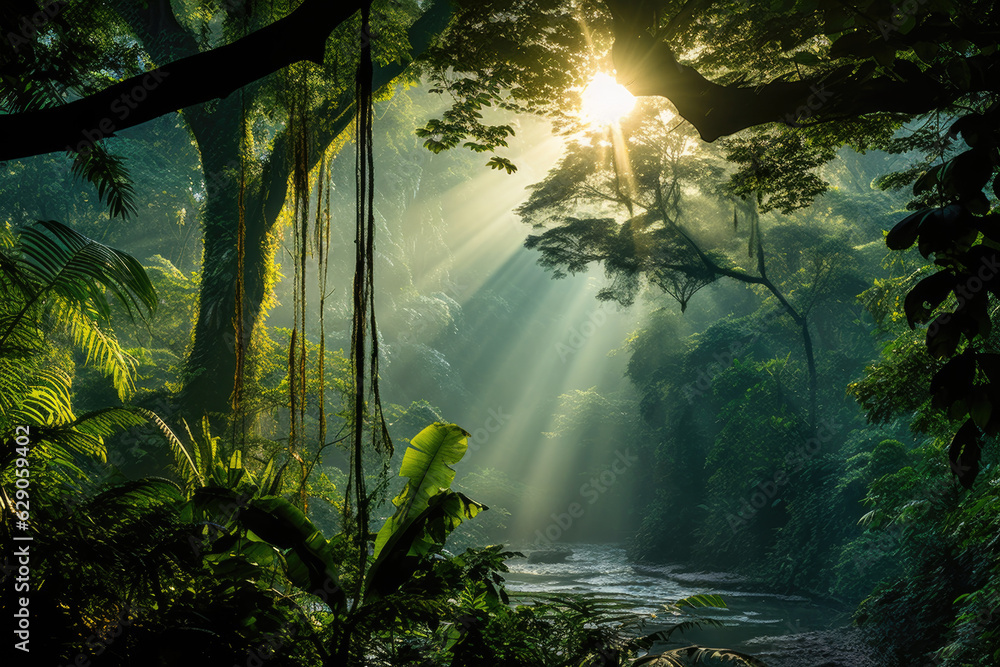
[
  {"x": 32, "y": 90},
  {"x": 682, "y": 627},
  {"x": 103, "y": 351},
  {"x": 681, "y": 657},
  {"x": 46, "y": 401},
  {"x": 108, "y": 421},
  {"x": 136, "y": 495},
  {"x": 195, "y": 463},
  {"x": 12, "y": 386},
  {"x": 106, "y": 354}
]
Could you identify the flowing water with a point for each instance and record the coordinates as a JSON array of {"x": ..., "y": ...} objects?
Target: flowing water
[{"x": 750, "y": 620}]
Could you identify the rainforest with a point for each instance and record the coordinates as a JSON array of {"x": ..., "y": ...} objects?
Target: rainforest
[{"x": 512, "y": 333}]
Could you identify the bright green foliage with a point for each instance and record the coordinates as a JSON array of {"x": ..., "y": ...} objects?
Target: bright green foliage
[
  {"x": 210, "y": 562},
  {"x": 158, "y": 347},
  {"x": 427, "y": 463},
  {"x": 427, "y": 509},
  {"x": 55, "y": 272},
  {"x": 226, "y": 558},
  {"x": 59, "y": 259},
  {"x": 55, "y": 277},
  {"x": 172, "y": 566}
]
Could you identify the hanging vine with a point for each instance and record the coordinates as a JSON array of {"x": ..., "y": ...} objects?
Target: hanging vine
[
  {"x": 364, "y": 331},
  {"x": 322, "y": 243},
  {"x": 298, "y": 121},
  {"x": 241, "y": 335},
  {"x": 238, "y": 318}
]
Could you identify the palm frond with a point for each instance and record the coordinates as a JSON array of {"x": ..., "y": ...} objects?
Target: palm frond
[
  {"x": 107, "y": 421},
  {"x": 85, "y": 434},
  {"x": 698, "y": 601},
  {"x": 63, "y": 261},
  {"x": 664, "y": 635},
  {"x": 103, "y": 350},
  {"x": 45, "y": 401},
  {"x": 111, "y": 178},
  {"x": 32, "y": 90},
  {"x": 11, "y": 273},
  {"x": 135, "y": 496},
  {"x": 12, "y": 386},
  {"x": 176, "y": 446}
]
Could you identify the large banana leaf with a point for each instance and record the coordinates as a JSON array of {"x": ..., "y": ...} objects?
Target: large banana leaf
[
  {"x": 427, "y": 510},
  {"x": 427, "y": 462},
  {"x": 308, "y": 556},
  {"x": 400, "y": 556}
]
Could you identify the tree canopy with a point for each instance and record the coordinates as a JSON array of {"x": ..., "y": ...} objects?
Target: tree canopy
[{"x": 741, "y": 172}]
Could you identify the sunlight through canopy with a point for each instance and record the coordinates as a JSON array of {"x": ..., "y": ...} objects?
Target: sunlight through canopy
[{"x": 605, "y": 101}]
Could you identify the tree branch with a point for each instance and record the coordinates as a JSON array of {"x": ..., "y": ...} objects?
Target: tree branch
[
  {"x": 647, "y": 66},
  {"x": 301, "y": 35}
]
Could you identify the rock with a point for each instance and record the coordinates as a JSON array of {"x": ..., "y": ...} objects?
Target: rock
[
  {"x": 548, "y": 556},
  {"x": 842, "y": 647}
]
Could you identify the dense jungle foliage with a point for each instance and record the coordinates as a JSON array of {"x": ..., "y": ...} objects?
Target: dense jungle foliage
[{"x": 238, "y": 432}]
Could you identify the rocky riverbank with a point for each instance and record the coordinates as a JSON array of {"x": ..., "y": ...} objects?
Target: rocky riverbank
[{"x": 842, "y": 647}]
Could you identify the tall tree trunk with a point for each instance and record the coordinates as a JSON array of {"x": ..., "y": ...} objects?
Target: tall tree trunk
[
  {"x": 212, "y": 361},
  {"x": 211, "y": 364}
]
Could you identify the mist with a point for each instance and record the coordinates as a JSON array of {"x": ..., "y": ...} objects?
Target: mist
[{"x": 459, "y": 338}]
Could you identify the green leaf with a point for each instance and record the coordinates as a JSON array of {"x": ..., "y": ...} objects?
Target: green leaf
[
  {"x": 806, "y": 58},
  {"x": 960, "y": 74},
  {"x": 927, "y": 180},
  {"x": 852, "y": 44},
  {"x": 926, "y": 51},
  {"x": 698, "y": 601},
  {"x": 932, "y": 290},
  {"x": 311, "y": 564},
  {"x": 427, "y": 463},
  {"x": 497, "y": 162},
  {"x": 967, "y": 173}
]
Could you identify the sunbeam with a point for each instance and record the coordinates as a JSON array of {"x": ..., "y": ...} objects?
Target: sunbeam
[{"x": 605, "y": 101}]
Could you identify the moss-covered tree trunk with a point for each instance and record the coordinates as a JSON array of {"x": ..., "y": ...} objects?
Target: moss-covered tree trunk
[{"x": 211, "y": 364}]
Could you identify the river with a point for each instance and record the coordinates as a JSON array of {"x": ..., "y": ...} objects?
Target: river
[{"x": 755, "y": 622}]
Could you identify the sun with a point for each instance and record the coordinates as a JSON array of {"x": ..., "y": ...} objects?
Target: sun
[{"x": 605, "y": 101}]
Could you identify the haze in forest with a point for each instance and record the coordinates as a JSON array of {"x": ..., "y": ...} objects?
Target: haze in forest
[{"x": 523, "y": 334}]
